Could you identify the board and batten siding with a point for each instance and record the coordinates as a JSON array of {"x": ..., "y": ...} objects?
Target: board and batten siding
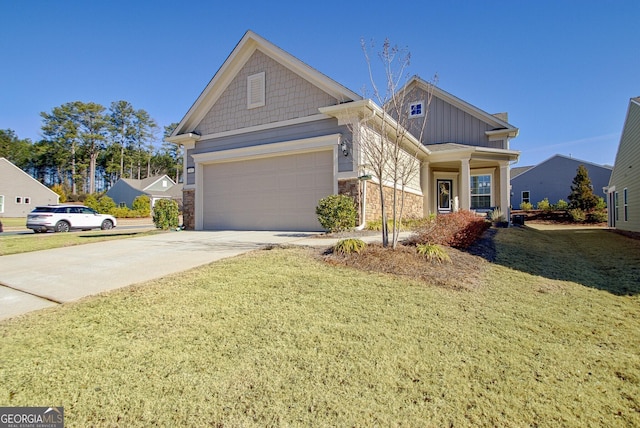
[
  {"x": 626, "y": 172},
  {"x": 287, "y": 96}
]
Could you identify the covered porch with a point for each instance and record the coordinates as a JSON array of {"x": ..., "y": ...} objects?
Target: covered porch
[{"x": 461, "y": 177}]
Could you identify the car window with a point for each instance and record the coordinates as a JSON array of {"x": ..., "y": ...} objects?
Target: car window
[
  {"x": 75, "y": 210},
  {"x": 86, "y": 210},
  {"x": 43, "y": 210},
  {"x": 60, "y": 210}
]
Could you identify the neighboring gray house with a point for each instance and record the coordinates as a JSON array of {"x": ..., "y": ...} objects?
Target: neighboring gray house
[
  {"x": 20, "y": 193},
  {"x": 270, "y": 136},
  {"x": 624, "y": 187},
  {"x": 552, "y": 179},
  {"x": 126, "y": 190}
]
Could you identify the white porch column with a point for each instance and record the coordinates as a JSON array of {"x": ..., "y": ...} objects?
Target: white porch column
[
  {"x": 505, "y": 189},
  {"x": 425, "y": 171},
  {"x": 465, "y": 185}
]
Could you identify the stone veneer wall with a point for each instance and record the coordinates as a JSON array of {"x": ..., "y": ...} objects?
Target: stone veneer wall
[
  {"x": 412, "y": 203},
  {"x": 188, "y": 208}
]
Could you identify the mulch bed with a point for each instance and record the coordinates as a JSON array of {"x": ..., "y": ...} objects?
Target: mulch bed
[{"x": 463, "y": 273}]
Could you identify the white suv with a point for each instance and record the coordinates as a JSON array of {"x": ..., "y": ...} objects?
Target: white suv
[{"x": 63, "y": 218}]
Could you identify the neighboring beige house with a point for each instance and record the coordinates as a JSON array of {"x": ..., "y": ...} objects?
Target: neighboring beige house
[
  {"x": 624, "y": 185},
  {"x": 20, "y": 193},
  {"x": 126, "y": 190},
  {"x": 270, "y": 136}
]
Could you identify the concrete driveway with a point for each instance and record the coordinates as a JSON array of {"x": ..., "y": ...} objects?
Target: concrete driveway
[{"x": 40, "y": 279}]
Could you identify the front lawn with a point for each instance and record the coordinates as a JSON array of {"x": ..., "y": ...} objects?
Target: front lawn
[{"x": 280, "y": 337}]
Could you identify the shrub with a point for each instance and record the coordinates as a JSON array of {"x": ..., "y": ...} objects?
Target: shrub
[
  {"x": 562, "y": 205},
  {"x": 349, "y": 246},
  {"x": 142, "y": 204},
  {"x": 458, "y": 230},
  {"x": 59, "y": 189},
  {"x": 581, "y": 195},
  {"x": 433, "y": 253},
  {"x": 91, "y": 201},
  {"x": 544, "y": 205},
  {"x": 105, "y": 204},
  {"x": 577, "y": 215},
  {"x": 496, "y": 215},
  {"x": 601, "y": 205},
  {"x": 597, "y": 217},
  {"x": 336, "y": 213},
  {"x": 526, "y": 206},
  {"x": 165, "y": 214},
  {"x": 405, "y": 224}
]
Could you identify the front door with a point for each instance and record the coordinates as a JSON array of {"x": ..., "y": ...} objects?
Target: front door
[{"x": 444, "y": 195}]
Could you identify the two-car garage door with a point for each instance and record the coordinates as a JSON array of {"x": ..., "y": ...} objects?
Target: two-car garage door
[{"x": 272, "y": 193}]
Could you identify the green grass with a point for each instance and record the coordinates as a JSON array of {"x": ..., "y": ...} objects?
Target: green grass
[
  {"x": 22, "y": 243},
  {"x": 280, "y": 338},
  {"x": 13, "y": 221}
]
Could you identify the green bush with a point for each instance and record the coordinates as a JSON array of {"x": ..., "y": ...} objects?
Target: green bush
[
  {"x": 526, "y": 206},
  {"x": 433, "y": 253},
  {"x": 562, "y": 205},
  {"x": 601, "y": 205},
  {"x": 336, "y": 213},
  {"x": 165, "y": 214},
  {"x": 544, "y": 205},
  {"x": 577, "y": 215},
  {"x": 597, "y": 217},
  {"x": 349, "y": 246},
  {"x": 142, "y": 204},
  {"x": 91, "y": 201},
  {"x": 105, "y": 204}
]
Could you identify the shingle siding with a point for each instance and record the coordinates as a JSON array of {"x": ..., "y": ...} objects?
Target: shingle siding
[
  {"x": 288, "y": 96},
  {"x": 626, "y": 172}
]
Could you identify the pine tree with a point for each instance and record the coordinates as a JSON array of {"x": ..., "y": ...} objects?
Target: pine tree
[{"x": 582, "y": 196}]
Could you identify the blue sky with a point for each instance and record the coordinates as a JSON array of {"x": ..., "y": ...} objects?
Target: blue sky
[{"x": 564, "y": 70}]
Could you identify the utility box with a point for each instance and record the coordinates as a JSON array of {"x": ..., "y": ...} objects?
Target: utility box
[{"x": 518, "y": 219}]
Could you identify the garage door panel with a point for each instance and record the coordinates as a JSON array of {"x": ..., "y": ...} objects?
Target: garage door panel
[{"x": 276, "y": 193}]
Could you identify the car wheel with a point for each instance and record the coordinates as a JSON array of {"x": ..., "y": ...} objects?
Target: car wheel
[
  {"x": 106, "y": 225},
  {"x": 62, "y": 226}
]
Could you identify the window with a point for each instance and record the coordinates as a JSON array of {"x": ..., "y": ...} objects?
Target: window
[
  {"x": 18, "y": 199},
  {"x": 617, "y": 206},
  {"x": 27, "y": 200},
  {"x": 416, "y": 109},
  {"x": 1, "y": 203},
  {"x": 255, "y": 90},
  {"x": 526, "y": 196},
  {"x": 164, "y": 183},
  {"x": 480, "y": 192},
  {"x": 625, "y": 204}
]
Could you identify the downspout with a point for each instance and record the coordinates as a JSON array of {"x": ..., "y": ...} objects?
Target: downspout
[
  {"x": 364, "y": 178},
  {"x": 363, "y": 206}
]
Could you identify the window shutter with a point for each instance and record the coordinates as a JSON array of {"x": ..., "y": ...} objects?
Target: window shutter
[{"x": 255, "y": 90}]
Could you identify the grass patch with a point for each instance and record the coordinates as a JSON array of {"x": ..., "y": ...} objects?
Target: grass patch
[
  {"x": 13, "y": 221},
  {"x": 14, "y": 244},
  {"x": 280, "y": 337}
]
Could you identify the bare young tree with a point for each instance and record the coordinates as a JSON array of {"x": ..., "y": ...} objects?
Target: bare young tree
[{"x": 390, "y": 139}]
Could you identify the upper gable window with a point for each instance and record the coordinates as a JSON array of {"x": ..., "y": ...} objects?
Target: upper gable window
[
  {"x": 416, "y": 109},
  {"x": 255, "y": 90}
]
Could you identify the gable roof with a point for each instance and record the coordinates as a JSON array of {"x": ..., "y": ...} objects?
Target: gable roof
[
  {"x": 516, "y": 171},
  {"x": 525, "y": 169},
  {"x": 495, "y": 120},
  {"x": 6, "y": 163},
  {"x": 249, "y": 43},
  {"x": 145, "y": 184}
]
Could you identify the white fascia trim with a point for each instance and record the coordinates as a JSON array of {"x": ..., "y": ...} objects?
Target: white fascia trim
[
  {"x": 268, "y": 150},
  {"x": 266, "y": 126},
  {"x": 187, "y": 139},
  {"x": 498, "y": 134}
]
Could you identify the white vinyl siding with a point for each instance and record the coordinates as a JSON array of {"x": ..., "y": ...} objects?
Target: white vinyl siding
[{"x": 256, "y": 90}]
